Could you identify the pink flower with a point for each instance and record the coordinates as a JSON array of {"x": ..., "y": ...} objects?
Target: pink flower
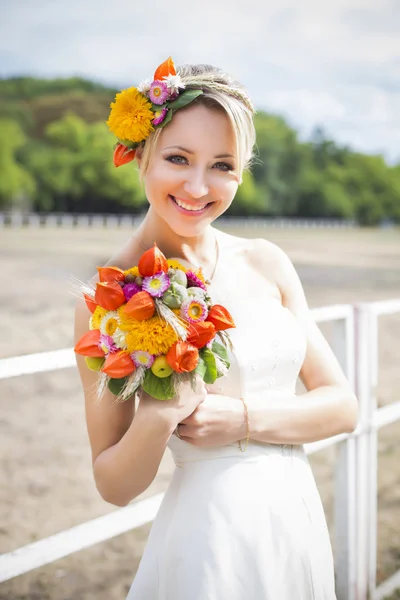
[
  {"x": 159, "y": 92},
  {"x": 156, "y": 285},
  {"x": 160, "y": 116},
  {"x": 108, "y": 343},
  {"x": 130, "y": 289},
  {"x": 142, "y": 358},
  {"x": 194, "y": 310},
  {"x": 194, "y": 281}
]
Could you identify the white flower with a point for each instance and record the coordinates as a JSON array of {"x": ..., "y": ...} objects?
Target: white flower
[
  {"x": 144, "y": 86},
  {"x": 174, "y": 82},
  {"x": 105, "y": 324},
  {"x": 119, "y": 338}
]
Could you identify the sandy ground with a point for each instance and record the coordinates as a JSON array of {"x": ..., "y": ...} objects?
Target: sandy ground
[{"x": 45, "y": 471}]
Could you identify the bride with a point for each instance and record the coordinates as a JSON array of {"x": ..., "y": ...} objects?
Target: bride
[{"x": 242, "y": 518}]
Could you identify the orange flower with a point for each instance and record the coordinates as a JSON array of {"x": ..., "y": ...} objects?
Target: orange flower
[
  {"x": 220, "y": 318},
  {"x": 200, "y": 333},
  {"x": 166, "y": 68},
  {"x": 182, "y": 357},
  {"x": 109, "y": 295},
  {"x": 110, "y": 274},
  {"x": 90, "y": 303},
  {"x": 88, "y": 345},
  {"x": 118, "y": 365},
  {"x": 141, "y": 306},
  {"x": 123, "y": 155},
  {"x": 152, "y": 261}
]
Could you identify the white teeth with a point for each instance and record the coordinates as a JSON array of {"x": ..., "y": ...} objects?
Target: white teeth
[{"x": 189, "y": 206}]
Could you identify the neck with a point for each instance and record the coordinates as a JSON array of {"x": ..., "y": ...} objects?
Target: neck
[{"x": 197, "y": 249}]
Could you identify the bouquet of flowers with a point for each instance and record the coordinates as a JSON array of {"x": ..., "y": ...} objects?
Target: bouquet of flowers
[{"x": 153, "y": 326}]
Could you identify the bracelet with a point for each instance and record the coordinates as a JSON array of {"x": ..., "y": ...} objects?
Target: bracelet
[{"x": 246, "y": 412}]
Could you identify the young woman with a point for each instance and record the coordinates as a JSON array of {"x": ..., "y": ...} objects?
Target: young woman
[{"x": 242, "y": 518}]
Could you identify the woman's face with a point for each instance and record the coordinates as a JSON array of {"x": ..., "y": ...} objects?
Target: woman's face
[{"x": 192, "y": 175}]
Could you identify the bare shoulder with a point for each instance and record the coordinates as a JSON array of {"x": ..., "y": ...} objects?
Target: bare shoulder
[{"x": 265, "y": 257}]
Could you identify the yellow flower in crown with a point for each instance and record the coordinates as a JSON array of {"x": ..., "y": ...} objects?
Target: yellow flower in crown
[
  {"x": 137, "y": 112},
  {"x": 131, "y": 116}
]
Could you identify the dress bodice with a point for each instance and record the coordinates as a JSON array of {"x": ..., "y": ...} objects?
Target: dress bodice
[{"x": 269, "y": 344}]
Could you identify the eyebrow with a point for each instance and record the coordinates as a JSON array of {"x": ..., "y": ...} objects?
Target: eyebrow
[{"x": 190, "y": 152}]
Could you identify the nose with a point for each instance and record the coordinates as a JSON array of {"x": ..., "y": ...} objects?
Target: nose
[{"x": 196, "y": 184}]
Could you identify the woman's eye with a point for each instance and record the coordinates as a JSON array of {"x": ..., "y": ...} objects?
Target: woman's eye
[
  {"x": 224, "y": 166},
  {"x": 176, "y": 159}
]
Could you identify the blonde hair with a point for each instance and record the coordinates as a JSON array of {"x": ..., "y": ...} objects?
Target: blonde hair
[{"x": 220, "y": 92}]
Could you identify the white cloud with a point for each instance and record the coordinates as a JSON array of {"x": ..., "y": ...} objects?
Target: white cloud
[{"x": 332, "y": 64}]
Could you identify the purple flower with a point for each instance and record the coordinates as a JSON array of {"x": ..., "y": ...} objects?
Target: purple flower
[
  {"x": 108, "y": 343},
  {"x": 159, "y": 92},
  {"x": 194, "y": 281},
  {"x": 160, "y": 116},
  {"x": 194, "y": 310},
  {"x": 156, "y": 284},
  {"x": 142, "y": 358},
  {"x": 130, "y": 289}
]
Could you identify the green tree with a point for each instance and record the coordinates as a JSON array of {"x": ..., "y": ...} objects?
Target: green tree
[{"x": 16, "y": 184}]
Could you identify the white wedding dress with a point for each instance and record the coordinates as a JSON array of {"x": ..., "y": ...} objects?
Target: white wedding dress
[{"x": 242, "y": 525}]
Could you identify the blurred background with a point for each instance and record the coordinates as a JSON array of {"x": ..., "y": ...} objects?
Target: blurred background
[{"x": 325, "y": 81}]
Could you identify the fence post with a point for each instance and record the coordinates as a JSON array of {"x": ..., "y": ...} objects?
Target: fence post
[
  {"x": 345, "y": 475},
  {"x": 366, "y": 354}
]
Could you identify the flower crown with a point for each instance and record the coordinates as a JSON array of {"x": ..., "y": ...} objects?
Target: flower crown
[{"x": 137, "y": 112}]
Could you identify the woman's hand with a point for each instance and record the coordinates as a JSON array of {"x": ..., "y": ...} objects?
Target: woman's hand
[
  {"x": 180, "y": 406},
  {"x": 218, "y": 421}
]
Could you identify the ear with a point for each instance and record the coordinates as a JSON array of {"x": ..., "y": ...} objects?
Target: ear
[{"x": 139, "y": 155}]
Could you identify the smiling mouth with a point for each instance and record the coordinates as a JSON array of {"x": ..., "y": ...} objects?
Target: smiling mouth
[{"x": 190, "y": 207}]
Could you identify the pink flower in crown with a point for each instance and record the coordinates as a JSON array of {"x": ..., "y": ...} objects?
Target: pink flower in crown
[
  {"x": 159, "y": 92},
  {"x": 160, "y": 116}
]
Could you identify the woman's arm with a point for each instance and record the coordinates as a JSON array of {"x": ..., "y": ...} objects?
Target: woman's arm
[{"x": 126, "y": 447}]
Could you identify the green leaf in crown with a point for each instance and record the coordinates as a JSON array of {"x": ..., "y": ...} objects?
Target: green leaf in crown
[{"x": 184, "y": 99}]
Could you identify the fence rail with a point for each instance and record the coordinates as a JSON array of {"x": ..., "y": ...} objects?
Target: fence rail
[
  {"x": 355, "y": 343},
  {"x": 68, "y": 220}
]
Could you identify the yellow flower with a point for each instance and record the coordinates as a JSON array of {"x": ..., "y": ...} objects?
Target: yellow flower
[
  {"x": 133, "y": 271},
  {"x": 175, "y": 264},
  {"x": 131, "y": 116},
  {"x": 151, "y": 335},
  {"x": 199, "y": 274},
  {"x": 96, "y": 317}
]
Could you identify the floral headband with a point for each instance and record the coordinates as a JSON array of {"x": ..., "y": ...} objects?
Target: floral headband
[{"x": 137, "y": 112}]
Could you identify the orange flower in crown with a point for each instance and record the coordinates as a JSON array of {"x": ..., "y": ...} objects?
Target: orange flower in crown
[{"x": 137, "y": 112}]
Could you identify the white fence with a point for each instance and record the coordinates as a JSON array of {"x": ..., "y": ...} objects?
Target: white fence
[
  {"x": 355, "y": 342},
  {"x": 67, "y": 220}
]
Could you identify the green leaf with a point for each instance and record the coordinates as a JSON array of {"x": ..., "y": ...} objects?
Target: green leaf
[
  {"x": 184, "y": 99},
  {"x": 211, "y": 367},
  {"x": 161, "y": 388},
  {"x": 128, "y": 143},
  {"x": 157, "y": 107},
  {"x": 201, "y": 368},
  {"x": 222, "y": 353},
  {"x": 115, "y": 385}
]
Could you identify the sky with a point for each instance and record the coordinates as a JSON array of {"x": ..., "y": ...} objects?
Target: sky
[{"x": 335, "y": 65}]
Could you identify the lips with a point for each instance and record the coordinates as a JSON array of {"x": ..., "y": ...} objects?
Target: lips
[{"x": 186, "y": 211}]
